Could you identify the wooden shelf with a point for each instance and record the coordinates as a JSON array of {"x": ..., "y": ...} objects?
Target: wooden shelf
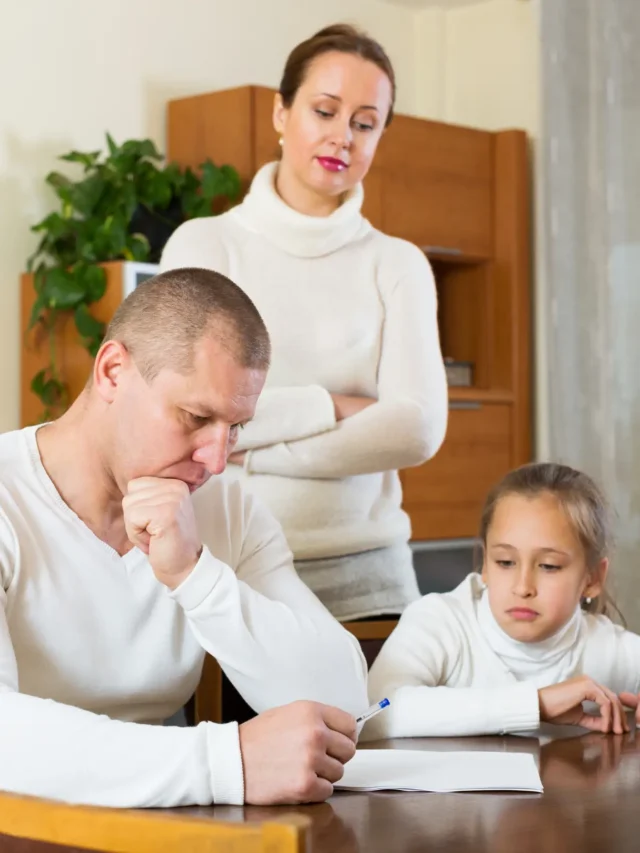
[
  {"x": 452, "y": 256},
  {"x": 481, "y": 395}
]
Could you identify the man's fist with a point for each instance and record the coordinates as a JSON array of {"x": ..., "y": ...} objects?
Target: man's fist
[
  {"x": 296, "y": 753},
  {"x": 159, "y": 519}
]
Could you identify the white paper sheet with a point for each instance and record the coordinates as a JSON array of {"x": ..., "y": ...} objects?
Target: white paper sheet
[{"x": 418, "y": 770}]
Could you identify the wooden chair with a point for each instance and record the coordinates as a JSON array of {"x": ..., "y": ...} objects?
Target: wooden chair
[
  {"x": 141, "y": 831},
  {"x": 208, "y": 699}
]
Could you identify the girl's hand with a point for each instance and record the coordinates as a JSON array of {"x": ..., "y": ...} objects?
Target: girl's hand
[
  {"x": 347, "y": 406},
  {"x": 562, "y": 704},
  {"x": 632, "y": 700}
]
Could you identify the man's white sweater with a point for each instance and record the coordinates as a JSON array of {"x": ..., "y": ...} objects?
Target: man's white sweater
[{"x": 95, "y": 652}]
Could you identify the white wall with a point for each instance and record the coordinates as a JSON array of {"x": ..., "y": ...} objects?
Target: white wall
[
  {"x": 72, "y": 69},
  {"x": 479, "y": 66},
  {"x": 492, "y": 78}
]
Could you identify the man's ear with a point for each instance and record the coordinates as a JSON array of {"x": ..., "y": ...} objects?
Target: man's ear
[{"x": 112, "y": 360}]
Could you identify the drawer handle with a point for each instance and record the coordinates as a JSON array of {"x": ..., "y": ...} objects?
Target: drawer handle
[{"x": 470, "y": 405}]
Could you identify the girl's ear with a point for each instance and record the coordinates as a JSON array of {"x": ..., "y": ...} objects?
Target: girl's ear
[{"x": 596, "y": 581}]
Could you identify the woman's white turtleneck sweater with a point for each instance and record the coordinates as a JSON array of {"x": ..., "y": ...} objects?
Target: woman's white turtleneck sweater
[
  {"x": 349, "y": 310},
  {"x": 449, "y": 669}
]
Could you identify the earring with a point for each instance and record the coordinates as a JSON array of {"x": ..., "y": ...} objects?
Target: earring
[
  {"x": 281, "y": 142},
  {"x": 587, "y": 600}
]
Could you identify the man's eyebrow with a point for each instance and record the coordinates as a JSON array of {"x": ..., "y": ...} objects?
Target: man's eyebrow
[{"x": 207, "y": 412}]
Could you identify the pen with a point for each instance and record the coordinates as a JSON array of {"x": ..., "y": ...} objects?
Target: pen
[{"x": 373, "y": 710}]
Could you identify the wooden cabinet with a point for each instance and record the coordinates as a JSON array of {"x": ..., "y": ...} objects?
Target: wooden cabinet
[
  {"x": 437, "y": 185},
  {"x": 230, "y": 126},
  {"x": 462, "y": 195},
  {"x": 445, "y": 495}
]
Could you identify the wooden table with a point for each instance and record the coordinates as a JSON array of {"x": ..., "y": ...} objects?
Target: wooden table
[{"x": 591, "y": 804}]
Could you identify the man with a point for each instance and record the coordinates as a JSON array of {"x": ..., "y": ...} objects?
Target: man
[{"x": 123, "y": 558}]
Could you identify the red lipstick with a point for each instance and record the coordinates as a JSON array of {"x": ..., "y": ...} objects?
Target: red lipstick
[{"x": 332, "y": 164}]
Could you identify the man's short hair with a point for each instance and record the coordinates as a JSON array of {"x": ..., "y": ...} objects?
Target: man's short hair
[{"x": 166, "y": 316}]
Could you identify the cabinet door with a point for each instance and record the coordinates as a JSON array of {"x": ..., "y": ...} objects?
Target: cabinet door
[
  {"x": 444, "y": 497},
  {"x": 217, "y": 125},
  {"x": 266, "y": 148},
  {"x": 438, "y": 181}
]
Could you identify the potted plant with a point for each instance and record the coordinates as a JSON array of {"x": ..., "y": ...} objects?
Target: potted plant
[{"x": 124, "y": 206}]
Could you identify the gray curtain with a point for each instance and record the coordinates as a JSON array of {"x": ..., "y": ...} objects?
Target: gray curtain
[{"x": 590, "y": 173}]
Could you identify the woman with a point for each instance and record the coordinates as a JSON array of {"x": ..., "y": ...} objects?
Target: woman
[{"x": 357, "y": 385}]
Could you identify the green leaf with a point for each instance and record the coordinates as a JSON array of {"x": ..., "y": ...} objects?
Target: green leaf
[
  {"x": 53, "y": 224},
  {"x": 86, "y": 159},
  {"x": 199, "y": 206},
  {"x": 233, "y": 182},
  {"x": 48, "y": 389},
  {"x": 213, "y": 181},
  {"x": 38, "y": 381},
  {"x": 61, "y": 185},
  {"x": 154, "y": 187},
  {"x": 36, "y": 312},
  {"x": 219, "y": 181},
  {"x": 86, "y": 323},
  {"x": 61, "y": 289},
  {"x": 140, "y": 149},
  {"x": 93, "y": 345},
  {"x": 93, "y": 280},
  {"x": 52, "y": 393},
  {"x": 108, "y": 239},
  {"x": 85, "y": 195},
  {"x": 175, "y": 176},
  {"x": 139, "y": 247},
  {"x": 113, "y": 148}
]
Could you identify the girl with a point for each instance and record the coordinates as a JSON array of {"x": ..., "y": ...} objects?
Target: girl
[
  {"x": 357, "y": 385},
  {"x": 527, "y": 640}
]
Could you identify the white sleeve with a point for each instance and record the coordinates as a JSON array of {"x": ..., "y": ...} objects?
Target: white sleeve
[
  {"x": 407, "y": 424},
  {"x": 270, "y": 634},
  {"x": 60, "y": 752},
  {"x": 612, "y": 655},
  {"x": 196, "y": 243},
  {"x": 628, "y": 659},
  {"x": 288, "y": 414},
  {"x": 413, "y": 669}
]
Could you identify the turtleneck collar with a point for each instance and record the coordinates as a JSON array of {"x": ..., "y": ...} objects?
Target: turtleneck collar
[
  {"x": 546, "y": 662},
  {"x": 264, "y": 212}
]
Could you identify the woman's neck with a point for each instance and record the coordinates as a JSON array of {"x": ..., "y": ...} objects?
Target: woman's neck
[{"x": 303, "y": 199}]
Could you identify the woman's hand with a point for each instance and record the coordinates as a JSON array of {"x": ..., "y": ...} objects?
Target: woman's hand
[
  {"x": 562, "y": 704},
  {"x": 346, "y": 406}
]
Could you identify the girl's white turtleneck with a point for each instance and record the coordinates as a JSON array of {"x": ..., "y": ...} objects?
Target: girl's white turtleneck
[{"x": 449, "y": 669}]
